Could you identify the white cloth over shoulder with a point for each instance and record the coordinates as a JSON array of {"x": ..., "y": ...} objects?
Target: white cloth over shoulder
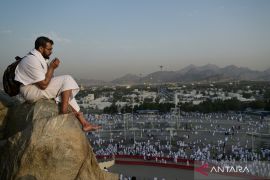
[{"x": 31, "y": 69}]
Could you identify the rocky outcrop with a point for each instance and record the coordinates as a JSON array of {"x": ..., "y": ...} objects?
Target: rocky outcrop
[
  {"x": 38, "y": 143},
  {"x": 6, "y": 103}
]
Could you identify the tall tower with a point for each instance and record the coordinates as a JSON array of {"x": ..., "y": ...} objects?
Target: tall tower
[{"x": 160, "y": 83}]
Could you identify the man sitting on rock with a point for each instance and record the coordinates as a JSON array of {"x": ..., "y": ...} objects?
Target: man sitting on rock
[{"x": 36, "y": 76}]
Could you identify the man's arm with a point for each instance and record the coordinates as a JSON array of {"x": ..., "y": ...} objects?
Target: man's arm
[{"x": 44, "y": 83}]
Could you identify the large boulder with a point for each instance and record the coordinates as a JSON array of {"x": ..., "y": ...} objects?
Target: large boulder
[
  {"x": 6, "y": 103},
  {"x": 38, "y": 143}
]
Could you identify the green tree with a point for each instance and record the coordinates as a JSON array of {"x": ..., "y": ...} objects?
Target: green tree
[{"x": 246, "y": 95}]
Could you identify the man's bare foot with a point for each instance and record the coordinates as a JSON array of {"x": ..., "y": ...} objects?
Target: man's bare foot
[
  {"x": 86, "y": 125},
  {"x": 90, "y": 127}
]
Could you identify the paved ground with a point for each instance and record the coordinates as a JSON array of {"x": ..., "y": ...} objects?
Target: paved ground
[{"x": 149, "y": 172}]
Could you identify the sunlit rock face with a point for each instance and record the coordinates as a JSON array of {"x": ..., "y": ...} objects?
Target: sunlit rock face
[{"x": 38, "y": 143}]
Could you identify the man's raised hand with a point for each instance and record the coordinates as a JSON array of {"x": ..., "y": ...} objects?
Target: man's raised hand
[{"x": 55, "y": 63}]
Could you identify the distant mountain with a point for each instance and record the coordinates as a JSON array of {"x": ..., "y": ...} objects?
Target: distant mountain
[
  {"x": 159, "y": 77},
  {"x": 209, "y": 72},
  {"x": 199, "y": 73},
  {"x": 265, "y": 75},
  {"x": 90, "y": 82},
  {"x": 126, "y": 79},
  {"x": 192, "y": 68},
  {"x": 187, "y": 69},
  {"x": 267, "y": 71}
]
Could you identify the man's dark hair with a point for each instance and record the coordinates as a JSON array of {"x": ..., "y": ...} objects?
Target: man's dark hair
[{"x": 41, "y": 41}]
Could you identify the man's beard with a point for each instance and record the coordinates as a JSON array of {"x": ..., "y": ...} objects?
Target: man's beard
[{"x": 46, "y": 56}]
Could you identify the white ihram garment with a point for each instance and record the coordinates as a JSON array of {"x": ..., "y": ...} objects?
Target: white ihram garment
[{"x": 32, "y": 69}]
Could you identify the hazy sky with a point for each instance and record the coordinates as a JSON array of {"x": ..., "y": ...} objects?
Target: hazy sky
[{"x": 107, "y": 39}]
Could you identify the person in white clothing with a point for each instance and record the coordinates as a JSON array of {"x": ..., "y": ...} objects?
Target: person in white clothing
[{"x": 36, "y": 76}]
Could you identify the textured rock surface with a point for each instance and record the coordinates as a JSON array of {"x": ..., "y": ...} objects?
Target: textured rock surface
[
  {"x": 5, "y": 103},
  {"x": 40, "y": 144}
]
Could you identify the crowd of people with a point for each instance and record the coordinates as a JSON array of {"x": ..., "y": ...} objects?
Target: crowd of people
[{"x": 216, "y": 138}]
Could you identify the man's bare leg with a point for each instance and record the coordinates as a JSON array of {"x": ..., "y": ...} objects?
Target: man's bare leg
[
  {"x": 65, "y": 95},
  {"x": 79, "y": 115}
]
